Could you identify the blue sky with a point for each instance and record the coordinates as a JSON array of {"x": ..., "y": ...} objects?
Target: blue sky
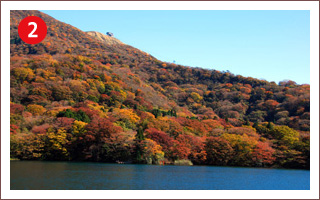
[{"x": 269, "y": 45}]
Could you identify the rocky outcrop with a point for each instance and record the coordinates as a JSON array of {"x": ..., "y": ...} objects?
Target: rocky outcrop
[{"x": 105, "y": 38}]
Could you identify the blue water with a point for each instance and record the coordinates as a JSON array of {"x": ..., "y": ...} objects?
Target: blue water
[{"x": 36, "y": 175}]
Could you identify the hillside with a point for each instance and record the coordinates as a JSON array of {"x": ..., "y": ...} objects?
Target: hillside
[{"x": 76, "y": 96}]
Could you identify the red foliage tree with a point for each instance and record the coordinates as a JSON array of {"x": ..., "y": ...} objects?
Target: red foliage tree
[
  {"x": 263, "y": 154},
  {"x": 191, "y": 147},
  {"x": 64, "y": 122},
  {"x": 98, "y": 130},
  {"x": 219, "y": 151},
  {"x": 161, "y": 138},
  {"x": 16, "y": 108},
  {"x": 13, "y": 129},
  {"x": 42, "y": 129}
]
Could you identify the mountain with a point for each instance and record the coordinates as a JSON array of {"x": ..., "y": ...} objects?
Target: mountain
[{"x": 88, "y": 96}]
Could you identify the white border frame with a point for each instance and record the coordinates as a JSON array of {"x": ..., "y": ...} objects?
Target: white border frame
[{"x": 6, "y": 6}]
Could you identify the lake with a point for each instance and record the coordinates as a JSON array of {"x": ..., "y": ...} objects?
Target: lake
[{"x": 39, "y": 175}]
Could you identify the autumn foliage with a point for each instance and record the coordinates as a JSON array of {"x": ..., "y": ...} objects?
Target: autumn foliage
[{"x": 73, "y": 97}]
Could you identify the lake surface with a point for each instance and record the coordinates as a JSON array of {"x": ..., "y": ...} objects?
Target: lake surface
[{"x": 38, "y": 175}]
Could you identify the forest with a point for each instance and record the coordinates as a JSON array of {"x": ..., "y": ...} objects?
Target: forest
[{"x": 75, "y": 98}]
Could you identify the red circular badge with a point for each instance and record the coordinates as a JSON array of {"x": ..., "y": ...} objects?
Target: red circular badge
[{"x": 32, "y": 30}]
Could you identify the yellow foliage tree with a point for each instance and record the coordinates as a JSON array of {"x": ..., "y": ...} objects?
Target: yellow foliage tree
[
  {"x": 243, "y": 146},
  {"x": 126, "y": 116},
  {"x": 78, "y": 128},
  {"x": 23, "y": 74},
  {"x": 36, "y": 109},
  {"x": 152, "y": 152},
  {"x": 56, "y": 144},
  {"x": 100, "y": 109},
  {"x": 195, "y": 96}
]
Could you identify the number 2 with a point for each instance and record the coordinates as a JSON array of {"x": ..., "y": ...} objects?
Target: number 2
[{"x": 34, "y": 30}]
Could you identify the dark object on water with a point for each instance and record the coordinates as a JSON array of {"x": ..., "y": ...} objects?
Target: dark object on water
[
  {"x": 109, "y": 34},
  {"x": 123, "y": 162}
]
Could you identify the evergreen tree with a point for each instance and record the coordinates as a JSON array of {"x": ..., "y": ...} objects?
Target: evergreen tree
[{"x": 138, "y": 150}]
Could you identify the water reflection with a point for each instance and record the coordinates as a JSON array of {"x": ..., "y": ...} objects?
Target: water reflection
[{"x": 36, "y": 175}]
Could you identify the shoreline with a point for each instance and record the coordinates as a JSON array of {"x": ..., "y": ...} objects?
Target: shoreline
[{"x": 168, "y": 164}]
